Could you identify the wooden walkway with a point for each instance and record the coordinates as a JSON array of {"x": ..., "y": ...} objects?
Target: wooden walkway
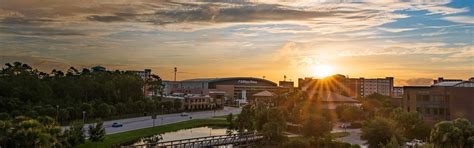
[{"x": 209, "y": 141}]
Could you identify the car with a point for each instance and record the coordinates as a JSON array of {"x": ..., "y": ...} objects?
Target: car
[
  {"x": 184, "y": 114},
  {"x": 116, "y": 124}
]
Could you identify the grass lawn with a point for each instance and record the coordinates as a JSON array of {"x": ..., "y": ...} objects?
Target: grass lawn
[
  {"x": 131, "y": 136},
  {"x": 340, "y": 134}
]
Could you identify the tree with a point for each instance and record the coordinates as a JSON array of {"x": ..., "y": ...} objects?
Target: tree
[
  {"x": 97, "y": 132},
  {"x": 379, "y": 130},
  {"x": 296, "y": 143},
  {"x": 75, "y": 134},
  {"x": 273, "y": 124},
  {"x": 393, "y": 143},
  {"x": 273, "y": 132},
  {"x": 245, "y": 120},
  {"x": 412, "y": 124},
  {"x": 349, "y": 113},
  {"x": 316, "y": 127},
  {"x": 457, "y": 133},
  {"x": 103, "y": 110},
  {"x": 231, "y": 127},
  {"x": 27, "y": 132}
]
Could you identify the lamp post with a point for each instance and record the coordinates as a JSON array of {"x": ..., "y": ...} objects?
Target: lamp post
[
  {"x": 162, "y": 113},
  {"x": 84, "y": 117},
  {"x": 57, "y": 113}
]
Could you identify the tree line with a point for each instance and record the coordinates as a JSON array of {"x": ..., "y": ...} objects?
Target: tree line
[{"x": 71, "y": 95}]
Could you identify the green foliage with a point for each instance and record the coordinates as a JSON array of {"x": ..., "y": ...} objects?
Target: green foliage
[
  {"x": 392, "y": 144},
  {"x": 317, "y": 127},
  {"x": 348, "y": 113},
  {"x": 273, "y": 132},
  {"x": 412, "y": 124},
  {"x": 296, "y": 143},
  {"x": 245, "y": 120},
  {"x": 378, "y": 131},
  {"x": 97, "y": 132},
  {"x": 28, "y": 92},
  {"x": 328, "y": 142},
  {"x": 75, "y": 134},
  {"x": 27, "y": 132},
  {"x": 457, "y": 133}
]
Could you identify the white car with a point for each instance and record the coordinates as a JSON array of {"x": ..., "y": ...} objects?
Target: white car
[{"x": 184, "y": 114}]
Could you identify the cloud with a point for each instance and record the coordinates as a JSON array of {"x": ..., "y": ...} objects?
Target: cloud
[
  {"x": 460, "y": 19},
  {"x": 414, "y": 82},
  {"x": 395, "y": 30}
]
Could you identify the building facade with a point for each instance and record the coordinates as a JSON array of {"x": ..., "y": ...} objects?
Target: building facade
[
  {"x": 352, "y": 87},
  {"x": 446, "y": 100},
  {"x": 233, "y": 89}
]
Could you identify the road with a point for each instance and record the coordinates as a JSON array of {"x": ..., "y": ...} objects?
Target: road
[
  {"x": 353, "y": 138},
  {"x": 130, "y": 124}
]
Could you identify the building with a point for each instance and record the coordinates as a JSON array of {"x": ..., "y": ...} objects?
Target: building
[
  {"x": 286, "y": 86},
  {"x": 441, "y": 79},
  {"x": 235, "y": 89},
  {"x": 383, "y": 86},
  {"x": 263, "y": 98},
  {"x": 331, "y": 101},
  {"x": 144, "y": 75},
  {"x": 352, "y": 87},
  {"x": 397, "y": 92},
  {"x": 195, "y": 101},
  {"x": 446, "y": 100}
]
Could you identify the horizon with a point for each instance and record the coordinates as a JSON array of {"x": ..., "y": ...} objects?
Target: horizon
[{"x": 412, "y": 41}]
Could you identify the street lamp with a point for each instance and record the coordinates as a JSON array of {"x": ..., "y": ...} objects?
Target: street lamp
[
  {"x": 162, "y": 113},
  {"x": 57, "y": 113},
  {"x": 84, "y": 117}
]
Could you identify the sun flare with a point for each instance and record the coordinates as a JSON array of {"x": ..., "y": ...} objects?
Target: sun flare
[{"x": 322, "y": 71}]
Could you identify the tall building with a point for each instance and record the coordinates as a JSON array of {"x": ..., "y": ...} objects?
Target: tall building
[
  {"x": 445, "y": 100},
  {"x": 352, "y": 87},
  {"x": 383, "y": 86}
]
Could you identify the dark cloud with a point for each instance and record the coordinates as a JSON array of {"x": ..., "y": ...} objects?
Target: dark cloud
[
  {"x": 216, "y": 14},
  {"x": 38, "y": 31},
  {"x": 105, "y": 18}
]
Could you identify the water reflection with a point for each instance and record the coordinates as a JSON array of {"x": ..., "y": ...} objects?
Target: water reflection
[{"x": 184, "y": 134}]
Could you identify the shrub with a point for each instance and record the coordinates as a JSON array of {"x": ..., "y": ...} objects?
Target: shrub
[
  {"x": 355, "y": 125},
  {"x": 299, "y": 143}
]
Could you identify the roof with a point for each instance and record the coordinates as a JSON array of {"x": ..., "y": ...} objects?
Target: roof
[
  {"x": 448, "y": 83},
  {"x": 211, "y": 80},
  {"x": 264, "y": 94},
  {"x": 334, "y": 97}
]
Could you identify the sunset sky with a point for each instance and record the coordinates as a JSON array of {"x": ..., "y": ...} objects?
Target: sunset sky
[{"x": 413, "y": 41}]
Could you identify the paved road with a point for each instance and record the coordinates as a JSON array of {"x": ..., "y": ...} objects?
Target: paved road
[
  {"x": 353, "y": 138},
  {"x": 144, "y": 122}
]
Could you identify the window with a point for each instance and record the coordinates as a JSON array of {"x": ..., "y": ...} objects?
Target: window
[
  {"x": 427, "y": 111},
  {"x": 418, "y": 109}
]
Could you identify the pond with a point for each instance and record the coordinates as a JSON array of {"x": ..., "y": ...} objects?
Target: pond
[{"x": 184, "y": 134}]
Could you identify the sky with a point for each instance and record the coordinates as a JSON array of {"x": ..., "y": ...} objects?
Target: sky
[{"x": 411, "y": 40}]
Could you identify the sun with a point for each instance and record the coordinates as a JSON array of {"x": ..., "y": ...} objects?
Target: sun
[{"x": 322, "y": 70}]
